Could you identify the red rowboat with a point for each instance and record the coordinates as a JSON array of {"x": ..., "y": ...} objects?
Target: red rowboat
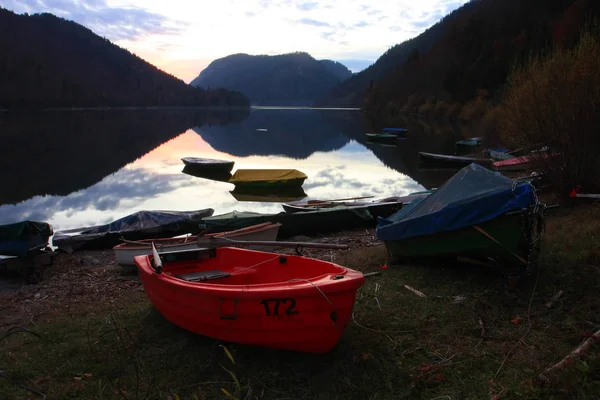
[
  {"x": 522, "y": 163},
  {"x": 252, "y": 297}
]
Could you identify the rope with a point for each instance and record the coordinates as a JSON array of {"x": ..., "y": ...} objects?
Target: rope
[{"x": 322, "y": 294}]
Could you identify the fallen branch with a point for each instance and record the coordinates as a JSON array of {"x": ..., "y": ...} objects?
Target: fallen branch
[
  {"x": 557, "y": 296},
  {"x": 415, "y": 291},
  {"x": 570, "y": 359},
  {"x": 482, "y": 328}
]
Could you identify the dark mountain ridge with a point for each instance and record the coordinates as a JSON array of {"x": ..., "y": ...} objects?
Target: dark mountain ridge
[
  {"x": 46, "y": 61},
  {"x": 467, "y": 53},
  {"x": 285, "y": 79}
]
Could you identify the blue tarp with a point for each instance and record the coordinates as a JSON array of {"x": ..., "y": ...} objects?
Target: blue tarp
[
  {"x": 394, "y": 130},
  {"x": 473, "y": 196}
]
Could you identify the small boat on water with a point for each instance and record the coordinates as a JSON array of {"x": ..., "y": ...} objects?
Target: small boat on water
[
  {"x": 252, "y": 297},
  {"x": 447, "y": 160},
  {"x": 213, "y": 175},
  {"x": 308, "y": 223},
  {"x": 267, "y": 178},
  {"x": 21, "y": 238},
  {"x": 471, "y": 142},
  {"x": 137, "y": 226},
  {"x": 518, "y": 163},
  {"x": 381, "y": 136},
  {"x": 477, "y": 213},
  {"x": 208, "y": 164},
  {"x": 125, "y": 252}
]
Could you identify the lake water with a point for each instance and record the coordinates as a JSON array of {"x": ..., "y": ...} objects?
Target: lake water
[{"x": 84, "y": 168}]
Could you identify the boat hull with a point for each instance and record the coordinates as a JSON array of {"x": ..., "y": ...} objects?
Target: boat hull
[
  {"x": 293, "y": 224},
  {"x": 209, "y": 165},
  {"x": 125, "y": 253},
  {"x": 376, "y": 209},
  {"x": 455, "y": 161},
  {"x": 506, "y": 229},
  {"x": 283, "y": 183},
  {"x": 307, "y": 315}
]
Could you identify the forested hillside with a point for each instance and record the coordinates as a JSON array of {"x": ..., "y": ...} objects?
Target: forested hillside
[
  {"x": 46, "y": 61},
  {"x": 286, "y": 79},
  {"x": 464, "y": 58}
]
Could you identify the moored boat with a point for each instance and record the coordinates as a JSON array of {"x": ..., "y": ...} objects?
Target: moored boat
[
  {"x": 518, "y": 163},
  {"x": 137, "y": 226},
  {"x": 375, "y": 207},
  {"x": 252, "y": 297},
  {"x": 471, "y": 142},
  {"x": 20, "y": 238},
  {"x": 477, "y": 213},
  {"x": 307, "y": 223},
  {"x": 125, "y": 252},
  {"x": 208, "y": 164},
  {"x": 267, "y": 178},
  {"x": 448, "y": 160}
]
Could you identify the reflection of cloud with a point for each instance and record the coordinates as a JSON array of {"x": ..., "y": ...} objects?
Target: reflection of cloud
[
  {"x": 312, "y": 22},
  {"x": 336, "y": 178},
  {"x": 115, "y": 23},
  {"x": 306, "y": 6},
  {"x": 126, "y": 184}
]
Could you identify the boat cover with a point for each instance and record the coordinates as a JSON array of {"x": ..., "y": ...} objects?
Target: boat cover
[
  {"x": 253, "y": 175},
  {"x": 147, "y": 220},
  {"x": 24, "y": 230},
  {"x": 394, "y": 130},
  {"x": 472, "y": 196}
]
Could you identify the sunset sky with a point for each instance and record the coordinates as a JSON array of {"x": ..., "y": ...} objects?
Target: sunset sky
[{"x": 183, "y": 37}]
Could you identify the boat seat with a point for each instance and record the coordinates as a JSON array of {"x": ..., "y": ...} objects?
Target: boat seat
[{"x": 203, "y": 275}]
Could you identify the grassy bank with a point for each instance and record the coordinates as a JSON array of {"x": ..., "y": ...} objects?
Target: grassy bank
[{"x": 99, "y": 338}]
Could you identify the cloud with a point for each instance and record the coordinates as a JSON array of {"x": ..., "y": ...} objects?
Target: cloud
[
  {"x": 114, "y": 23},
  {"x": 313, "y": 22},
  {"x": 306, "y": 6},
  {"x": 106, "y": 195},
  {"x": 360, "y": 24}
]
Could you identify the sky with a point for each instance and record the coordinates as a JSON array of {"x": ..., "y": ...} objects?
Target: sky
[{"x": 183, "y": 36}]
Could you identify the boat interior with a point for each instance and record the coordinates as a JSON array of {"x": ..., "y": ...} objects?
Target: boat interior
[{"x": 235, "y": 266}]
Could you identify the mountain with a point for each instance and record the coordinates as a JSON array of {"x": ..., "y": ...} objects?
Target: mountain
[
  {"x": 46, "y": 61},
  {"x": 467, "y": 54},
  {"x": 286, "y": 79}
]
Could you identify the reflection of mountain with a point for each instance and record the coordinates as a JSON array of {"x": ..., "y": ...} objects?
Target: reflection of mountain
[
  {"x": 61, "y": 152},
  {"x": 293, "y": 133},
  {"x": 405, "y": 157}
]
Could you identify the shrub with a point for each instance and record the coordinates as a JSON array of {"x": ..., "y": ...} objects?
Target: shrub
[{"x": 554, "y": 100}]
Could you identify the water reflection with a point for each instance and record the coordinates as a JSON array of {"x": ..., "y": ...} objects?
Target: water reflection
[
  {"x": 58, "y": 153},
  {"x": 294, "y": 133},
  {"x": 104, "y": 166}
]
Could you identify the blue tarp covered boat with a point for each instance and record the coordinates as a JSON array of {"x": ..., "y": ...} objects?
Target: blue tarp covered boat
[{"x": 476, "y": 212}]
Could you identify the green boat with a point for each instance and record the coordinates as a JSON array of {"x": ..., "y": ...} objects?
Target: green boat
[
  {"x": 381, "y": 136},
  {"x": 471, "y": 142},
  {"x": 267, "y": 178},
  {"x": 477, "y": 213},
  {"x": 308, "y": 223}
]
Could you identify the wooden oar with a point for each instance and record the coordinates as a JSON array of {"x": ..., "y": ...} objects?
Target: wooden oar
[
  {"x": 223, "y": 242},
  {"x": 350, "y": 198}
]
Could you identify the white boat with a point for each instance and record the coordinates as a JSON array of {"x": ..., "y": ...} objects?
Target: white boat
[{"x": 125, "y": 253}]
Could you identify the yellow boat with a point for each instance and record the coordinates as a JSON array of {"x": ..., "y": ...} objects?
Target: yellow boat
[{"x": 267, "y": 178}]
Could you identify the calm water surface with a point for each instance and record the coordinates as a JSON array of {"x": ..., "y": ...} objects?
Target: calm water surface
[{"x": 88, "y": 168}]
